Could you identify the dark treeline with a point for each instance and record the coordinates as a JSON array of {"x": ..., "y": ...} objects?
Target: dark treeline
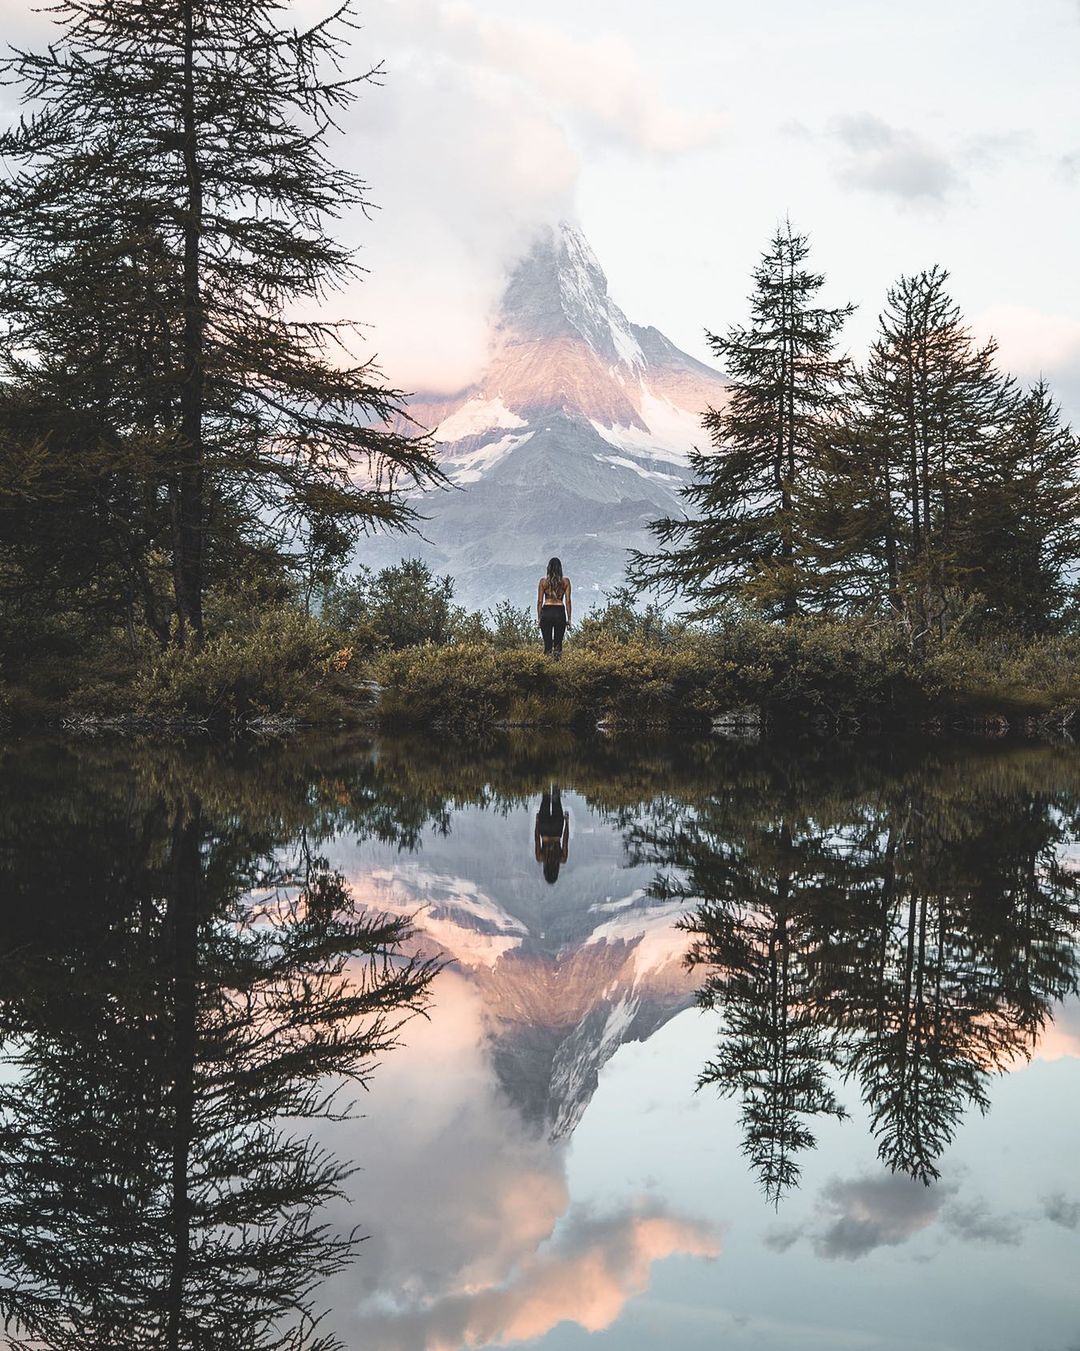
[
  {"x": 924, "y": 485},
  {"x": 185, "y": 981},
  {"x": 902, "y": 923},
  {"x": 173, "y": 414},
  {"x": 189, "y": 456}
]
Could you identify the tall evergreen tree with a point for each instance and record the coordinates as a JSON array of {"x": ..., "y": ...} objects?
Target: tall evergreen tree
[
  {"x": 743, "y": 540},
  {"x": 892, "y": 493},
  {"x": 163, "y": 243},
  {"x": 1020, "y": 531}
]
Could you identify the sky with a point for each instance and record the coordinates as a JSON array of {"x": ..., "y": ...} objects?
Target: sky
[
  {"x": 646, "y": 1227},
  {"x": 678, "y": 136}
]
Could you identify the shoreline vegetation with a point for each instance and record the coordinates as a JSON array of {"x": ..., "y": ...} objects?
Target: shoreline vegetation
[
  {"x": 414, "y": 660},
  {"x": 188, "y": 471}
]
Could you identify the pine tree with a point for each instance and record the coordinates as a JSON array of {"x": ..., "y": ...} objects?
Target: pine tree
[
  {"x": 892, "y": 495},
  {"x": 744, "y": 540},
  {"x": 163, "y": 244},
  {"x": 1021, "y": 529}
]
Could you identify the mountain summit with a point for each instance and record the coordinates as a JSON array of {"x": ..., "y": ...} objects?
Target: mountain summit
[{"x": 572, "y": 441}]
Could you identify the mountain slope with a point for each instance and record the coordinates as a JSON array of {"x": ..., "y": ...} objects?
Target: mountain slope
[{"x": 573, "y": 440}]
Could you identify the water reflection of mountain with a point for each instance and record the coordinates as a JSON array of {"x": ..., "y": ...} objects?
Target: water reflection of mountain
[
  {"x": 567, "y": 973},
  {"x": 193, "y": 941}
]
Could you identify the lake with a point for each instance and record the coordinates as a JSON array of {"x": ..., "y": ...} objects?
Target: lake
[{"x": 606, "y": 1044}]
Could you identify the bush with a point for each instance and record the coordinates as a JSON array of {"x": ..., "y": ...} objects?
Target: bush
[
  {"x": 465, "y": 684},
  {"x": 513, "y": 627},
  {"x": 620, "y": 620},
  {"x": 286, "y": 664},
  {"x": 471, "y": 685},
  {"x": 816, "y": 666},
  {"x": 399, "y": 607}
]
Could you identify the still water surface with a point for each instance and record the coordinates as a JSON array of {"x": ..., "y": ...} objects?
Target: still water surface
[{"x": 634, "y": 1045}]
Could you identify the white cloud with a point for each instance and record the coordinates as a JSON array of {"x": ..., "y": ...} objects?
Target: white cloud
[
  {"x": 601, "y": 84},
  {"x": 472, "y": 143},
  {"x": 895, "y": 161}
]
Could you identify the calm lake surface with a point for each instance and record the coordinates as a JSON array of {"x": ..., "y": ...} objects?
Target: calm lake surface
[{"x": 635, "y": 1045}]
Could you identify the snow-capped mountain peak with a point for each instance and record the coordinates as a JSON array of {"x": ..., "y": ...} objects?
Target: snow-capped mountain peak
[
  {"x": 574, "y": 438},
  {"x": 559, "y": 290}
]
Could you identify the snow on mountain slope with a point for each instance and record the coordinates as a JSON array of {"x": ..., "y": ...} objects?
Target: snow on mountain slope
[
  {"x": 573, "y": 440},
  {"x": 565, "y": 974}
]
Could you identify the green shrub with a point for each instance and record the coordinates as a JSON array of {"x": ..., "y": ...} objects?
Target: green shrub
[
  {"x": 285, "y": 664},
  {"x": 513, "y": 626},
  {"x": 815, "y": 666},
  {"x": 399, "y": 607},
  {"x": 463, "y": 684},
  {"x": 621, "y": 620}
]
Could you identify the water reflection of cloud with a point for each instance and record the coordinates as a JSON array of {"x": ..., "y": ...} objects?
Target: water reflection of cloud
[
  {"x": 473, "y": 1239},
  {"x": 460, "y": 1192},
  {"x": 857, "y": 1215},
  {"x": 586, "y": 1276}
]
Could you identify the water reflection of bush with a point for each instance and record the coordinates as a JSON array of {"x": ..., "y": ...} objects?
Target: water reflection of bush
[
  {"x": 909, "y": 933},
  {"x": 896, "y": 915},
  {"x": 182, "y": 977}
]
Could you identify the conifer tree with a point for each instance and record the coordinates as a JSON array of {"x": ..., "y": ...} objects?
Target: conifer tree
[
  {"x": 892, "y": 494},
  {"x": 1021, "y": 528},
  {"x": 743, "y": 539},
  {"x": 163, "y": 248}
]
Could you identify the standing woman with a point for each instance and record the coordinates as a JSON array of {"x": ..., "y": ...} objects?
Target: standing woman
[{"x": 553, "y": 607}]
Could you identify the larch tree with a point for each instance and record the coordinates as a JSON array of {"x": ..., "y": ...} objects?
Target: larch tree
[
  {"x": 164, "y": 251},
  {"x": 1020, "y": 534},
  {"x": 742, "y": 540},
  {"x": 893, "y": 493}
]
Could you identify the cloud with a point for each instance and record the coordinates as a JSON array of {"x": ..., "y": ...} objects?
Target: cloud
[
  {"x": 894, "y": 161},
  {"x": 1033, "y": 343},
  {"x": 473, "y": 142},
  {"x": 1062, "y": 1210},
  {"x": 600, "y": 84},
  {"x": 973, "y": 1220},
  {"x": 456, "y": 1191},
  {"x": 586, "y": 1276},
  {"x": 905, "y": 165},
  {"x": 858, "y": 1215}
]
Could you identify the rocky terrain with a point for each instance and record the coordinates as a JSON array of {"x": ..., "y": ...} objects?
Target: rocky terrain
[{"x": 573, "y": 440}]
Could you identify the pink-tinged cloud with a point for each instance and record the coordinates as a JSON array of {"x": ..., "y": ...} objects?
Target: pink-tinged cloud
[
  {"x": 601, "y": 84},
  {"x": 1030, "y": 342},
  {"x": 587, "y": 1277},
  {"x": 1061, "y": 1038}
]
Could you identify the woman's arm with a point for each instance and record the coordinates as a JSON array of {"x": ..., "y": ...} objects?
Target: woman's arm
[
  {"x": 539, "y": 597},
  {"x": 566, "y": 837},
  {"x": 566, "y": 597},
  {"x": 536, "y": 841}
]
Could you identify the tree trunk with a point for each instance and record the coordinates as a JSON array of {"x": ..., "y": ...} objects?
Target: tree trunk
[
  {"x": 188, "y": 509},
  {"x": 184, "y": 907}
]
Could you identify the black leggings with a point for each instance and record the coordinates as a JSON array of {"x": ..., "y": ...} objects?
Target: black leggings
[{"x": 553, "y": 627}]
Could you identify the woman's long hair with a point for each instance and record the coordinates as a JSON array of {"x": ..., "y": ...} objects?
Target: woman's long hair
[{"x": 554, "y": 572}]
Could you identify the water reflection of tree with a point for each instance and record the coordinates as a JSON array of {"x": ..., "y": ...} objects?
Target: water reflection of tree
[
  {"x": 183, "y": 985},
  {"x": 907, "y": 928}
]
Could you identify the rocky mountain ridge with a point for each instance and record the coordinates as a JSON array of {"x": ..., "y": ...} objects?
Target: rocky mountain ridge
[{"x": 573, "y": 440}]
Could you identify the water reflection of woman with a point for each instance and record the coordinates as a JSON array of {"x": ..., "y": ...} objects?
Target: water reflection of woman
[{"x": 552, "y": 834}]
